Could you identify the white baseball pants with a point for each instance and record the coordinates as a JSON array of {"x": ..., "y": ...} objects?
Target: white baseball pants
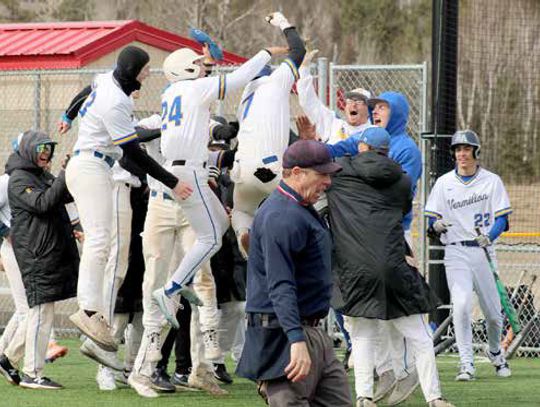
[
  {"x": 249, "y": 191},
  {"x": 117, "y": 264},
  {"x": 89, "y": 181},
  {"x": 207, "y": 218},
  {"x": 167, "y": 232},
  {"x": 467, "y": 269},
  {"x": 232, "y": 329},
  {"x": 365, "y": 334},
  {"x": 38, "y": 332},
  {"x": 15, "y": 330}
]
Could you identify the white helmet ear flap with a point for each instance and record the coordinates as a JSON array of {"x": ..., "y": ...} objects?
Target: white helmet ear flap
[{"x": 181, "y": 65}]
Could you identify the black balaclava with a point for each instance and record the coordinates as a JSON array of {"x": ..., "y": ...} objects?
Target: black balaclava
[{"x": 129, "y": 64}]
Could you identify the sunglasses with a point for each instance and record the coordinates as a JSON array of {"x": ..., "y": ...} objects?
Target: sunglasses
[{"x": 44, "y": 148}]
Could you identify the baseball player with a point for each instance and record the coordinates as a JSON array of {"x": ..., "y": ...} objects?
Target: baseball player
[
  {"x": 106, "y": 131},
  {"x": 462, "y": 200},
  {"x": 329, "y": 127},
  {"x": 264, "y": 116},
  {"x": 166, "y": 231},
  {"x": 185, "y": 121}
]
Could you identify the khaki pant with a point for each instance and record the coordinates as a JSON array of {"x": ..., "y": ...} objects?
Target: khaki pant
[{"x": 326, "y": 384}]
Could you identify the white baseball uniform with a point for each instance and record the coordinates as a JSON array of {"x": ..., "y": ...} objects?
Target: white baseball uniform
[
  {"x": 105, "y": 123},
  {"x": 328, "y": 125},
  {"x": 467, "y": 205},
  {"x": 264, "y": 117},
  {"x": 166, "y": 230},
  {"x": 185, "y": 128}
]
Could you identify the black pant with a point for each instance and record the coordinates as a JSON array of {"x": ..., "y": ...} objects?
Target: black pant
[{"x": 180, "y": 337}]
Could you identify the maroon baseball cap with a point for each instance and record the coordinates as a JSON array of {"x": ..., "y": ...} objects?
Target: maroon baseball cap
[{"x": 310, "y": 154}]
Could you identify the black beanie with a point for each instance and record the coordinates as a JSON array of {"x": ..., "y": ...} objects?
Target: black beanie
[{"x": 129, "y": 64}]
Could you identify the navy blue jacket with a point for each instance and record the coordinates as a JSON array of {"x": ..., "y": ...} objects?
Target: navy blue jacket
[{"x": 289, "y": 277}]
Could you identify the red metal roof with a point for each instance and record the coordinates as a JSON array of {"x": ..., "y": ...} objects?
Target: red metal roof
[{"x": 76, "y": 44}]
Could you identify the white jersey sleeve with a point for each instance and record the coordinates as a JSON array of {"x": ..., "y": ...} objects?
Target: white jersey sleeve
[
  {"x": 216, "y": 87},
  {"x": 435, "y": 202},
  {"x": 5, "y": 212},
  {"x": 285, "y": 75},
  {"x": 119, "y": 124},
  {"x": 151, "y": 122},
  {"x": 314, "y": 109},
  {"x": 501, "y": 204}
]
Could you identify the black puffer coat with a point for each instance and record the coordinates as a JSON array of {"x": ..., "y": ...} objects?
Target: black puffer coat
[
  {"x": 41, "y": 232},
  {"x": 367, "y": 201}
]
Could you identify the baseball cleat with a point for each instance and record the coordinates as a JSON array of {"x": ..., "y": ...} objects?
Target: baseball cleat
[
  {"x": 94, "y": 352},
  {"x": 10, "y": 373},
  {"x": 387, "y": 382},
  {"x": 167, "y": 306},
  {"x": 96, "y": 328},
  {"x": 440, "y": 403},
  {"x": 365, "y": 402},
  {"x": 499, "y": 362},
  {"x": 466, "y": 373},
  {"x": 105, "y": 379},
  {"x": 206, "y": 381},
  {"x": 221, "y": 374},
  {"x": 190, "y": 296},
  {"x": 142, "y": 385},
  {"x": 55, "y": 351},
  {"x": 161, "y": 382},
  {"x": 404, "y": 388},
  {"x": 40, "y": 383}
]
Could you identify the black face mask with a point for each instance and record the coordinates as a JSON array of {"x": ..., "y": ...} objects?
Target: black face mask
[{"x": 128, "y": 66}]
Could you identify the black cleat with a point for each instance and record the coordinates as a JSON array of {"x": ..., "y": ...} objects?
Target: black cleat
[
  {"x": 42, "y": 383},
  {"x": 161, "y": 382},
  {"x": 9, "y": 372},
  {"x": 220, "y": 373}
]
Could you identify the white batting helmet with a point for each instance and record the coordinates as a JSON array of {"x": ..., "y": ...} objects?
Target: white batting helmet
[{"x": 181, "y": 65}]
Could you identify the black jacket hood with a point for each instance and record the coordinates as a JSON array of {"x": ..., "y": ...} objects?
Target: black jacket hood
[{"x": 25, "y": 157}]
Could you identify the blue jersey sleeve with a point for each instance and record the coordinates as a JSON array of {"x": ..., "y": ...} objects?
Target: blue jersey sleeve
[
  {"x": 500, "y": 225},
  {"x": 344, "y": 147}
]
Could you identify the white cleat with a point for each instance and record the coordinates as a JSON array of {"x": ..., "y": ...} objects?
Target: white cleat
[
  {"x": 499, "y": 362},
  {"x": 167, "y": 306},
  {"x": 387, "y": 382},
  {"x": 142, "y": 385},
  {"x": 105, "y": 378},
  {"x": 96, "y": 328},
  {"x": 109, "y": 359},
  {"x": 466, "y": 373},
  {"x": 404, "y": 388}
]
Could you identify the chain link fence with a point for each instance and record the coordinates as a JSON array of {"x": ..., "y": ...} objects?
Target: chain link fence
[{"x": 37, "y": 99}]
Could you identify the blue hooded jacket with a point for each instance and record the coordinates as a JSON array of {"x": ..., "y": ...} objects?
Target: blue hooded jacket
[{"x": 403, "y": 148}]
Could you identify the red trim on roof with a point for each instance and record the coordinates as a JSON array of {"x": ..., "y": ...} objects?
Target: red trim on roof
[{"x": 76, "y": 44}]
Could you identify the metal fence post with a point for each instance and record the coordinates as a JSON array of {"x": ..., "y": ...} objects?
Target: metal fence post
[
  {"x": 331, "y": 79},
  {"x": 322, "y": 75},
  {"x": 425, "y": 168},
  {"x": 37, "y": 101}
]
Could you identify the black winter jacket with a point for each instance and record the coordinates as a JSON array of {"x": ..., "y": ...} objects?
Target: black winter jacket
[
  {"x": 367, "y": 201},
  {"x": 41, "y": 232}
]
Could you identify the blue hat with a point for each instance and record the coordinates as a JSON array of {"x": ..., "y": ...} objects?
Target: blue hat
[
  {"x": 310, "y": 154},
  {"x": 203, "y": 38},
  {"x": 375, "y": 137}
]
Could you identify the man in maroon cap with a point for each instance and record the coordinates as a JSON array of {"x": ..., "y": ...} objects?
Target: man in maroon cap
[{"x": 289, "y": 284}]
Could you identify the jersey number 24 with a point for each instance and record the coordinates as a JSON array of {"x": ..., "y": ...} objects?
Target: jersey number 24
[{"x": 174, "y": 114}]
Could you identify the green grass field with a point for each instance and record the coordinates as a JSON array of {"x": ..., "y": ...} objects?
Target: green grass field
[{"x": 76, "y": 373}]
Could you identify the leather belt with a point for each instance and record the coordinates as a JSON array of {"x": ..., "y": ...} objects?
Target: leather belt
[
  {"x": 97, "y": 154},
  {"x": 184, "y": 162},
  {"x": 466, "y": 243},
  {"x": 163, "y": 195}
]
